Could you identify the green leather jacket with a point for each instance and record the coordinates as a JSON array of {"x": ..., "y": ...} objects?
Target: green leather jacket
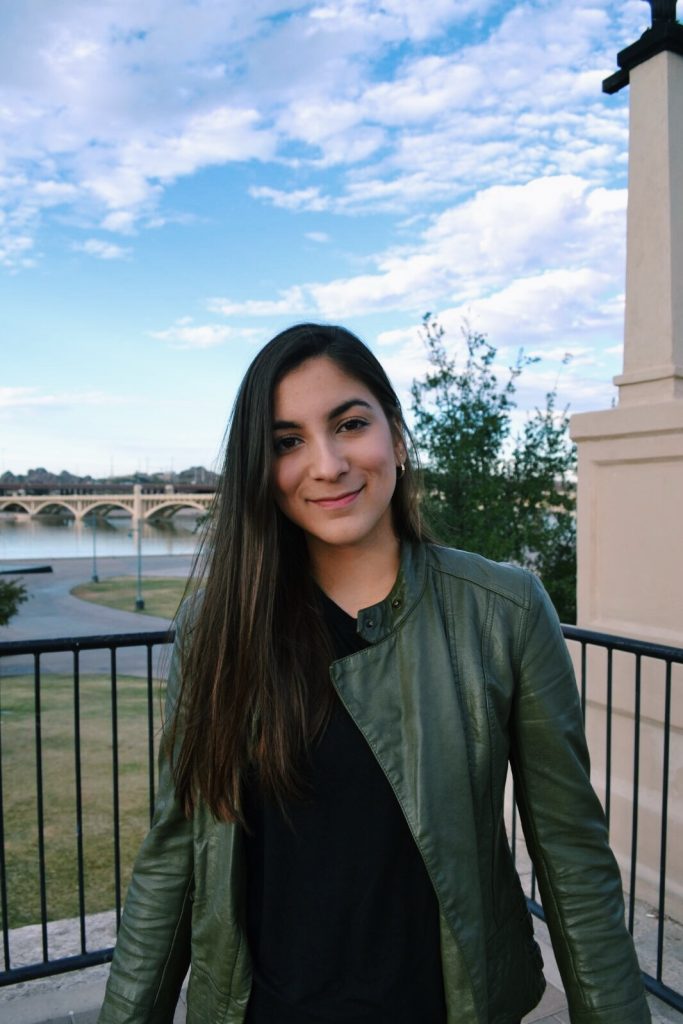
[{"x": 467, "y": 671}]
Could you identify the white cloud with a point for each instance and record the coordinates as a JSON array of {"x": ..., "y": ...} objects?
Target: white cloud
[
  {"x": 185, "y": 334},
  {"x": 443, "y": 121},
  {"x": 121, "y": 102},
  {"x": 290, "y": 303},
  {"x": 554, "y": 305},
  {"x": 54, "y": 193},
  {"x": 505, "y": 237},
  {"x": 220, "y": 136},
  {"x": 298, "y": 199},
  {"x": 103, "y": 250},
  {"x": 103, "y": 107},
  {"x": 393, "y": 18},
  {"x": 121, "y": 186},
  {"x": 531, "y": 265},
  {"x": 335, "y": 128},
  {"x": 122, "y": 221},
  {"x": 318, "y": 236},
  {"x": 14, "y": 249},
  {"x": 425, "y": 90},
  {"x": 398, "y": 336},
  {"x": 403, "y": 282},
  {"x": 28, "y": 398}
]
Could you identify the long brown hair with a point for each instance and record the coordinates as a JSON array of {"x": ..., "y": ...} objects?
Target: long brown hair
[{"x": 255, "y": 681}]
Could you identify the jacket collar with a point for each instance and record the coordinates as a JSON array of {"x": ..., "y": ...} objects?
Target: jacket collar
[{"x": 377, "y": 621}]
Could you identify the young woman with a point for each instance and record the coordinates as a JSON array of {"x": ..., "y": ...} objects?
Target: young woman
[{"x": 328, "y": 845}]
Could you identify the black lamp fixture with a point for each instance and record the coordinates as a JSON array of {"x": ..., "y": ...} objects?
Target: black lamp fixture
[{"x": 665, "y": 33}]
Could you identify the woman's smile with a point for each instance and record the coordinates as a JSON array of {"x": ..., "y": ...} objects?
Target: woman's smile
[{"x": 339, "y": 501}]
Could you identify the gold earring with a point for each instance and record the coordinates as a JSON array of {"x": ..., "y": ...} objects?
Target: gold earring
[{"x": 401, "y": 470}]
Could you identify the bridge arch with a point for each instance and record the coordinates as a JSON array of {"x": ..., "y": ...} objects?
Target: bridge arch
[
  {"x": 105, "y": 507},
  {"x": 168, "y": 509},
  {"x": 13, "y": 505},
  {"x": 53, "y": 507}
]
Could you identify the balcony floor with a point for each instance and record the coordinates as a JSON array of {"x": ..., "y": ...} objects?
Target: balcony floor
[{"x": 75, "y": 998}]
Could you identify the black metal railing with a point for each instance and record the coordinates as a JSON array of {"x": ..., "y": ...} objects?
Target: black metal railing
[
  {"x": 601, "y": 682},
  {"x": 625, "y": 682},
  {"x": 21, "y": 659}
]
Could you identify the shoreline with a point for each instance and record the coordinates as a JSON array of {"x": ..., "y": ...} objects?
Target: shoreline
[{"x": 47, "y": 559}]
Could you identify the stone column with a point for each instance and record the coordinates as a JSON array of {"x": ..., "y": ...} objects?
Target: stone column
[
  {"x": 653, "y": 339},
  {"x": 137, "y": 504},
  {"x": 630, "y": 490},
  {"x": 630, "y": 473}
]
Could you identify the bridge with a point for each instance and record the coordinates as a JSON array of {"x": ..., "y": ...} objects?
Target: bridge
[{"x": 139, "y": 504}]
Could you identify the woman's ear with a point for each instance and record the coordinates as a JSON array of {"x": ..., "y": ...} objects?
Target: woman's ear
[{"x": 400, "y": 449}]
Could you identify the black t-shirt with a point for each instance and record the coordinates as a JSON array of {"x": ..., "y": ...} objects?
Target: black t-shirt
[{"x": 342, "y": 920}]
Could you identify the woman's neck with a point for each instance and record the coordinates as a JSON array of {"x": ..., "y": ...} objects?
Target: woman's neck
[{"x": 356, "y": 577}]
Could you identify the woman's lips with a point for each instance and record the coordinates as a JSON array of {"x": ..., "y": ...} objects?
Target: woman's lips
[{"x": 341, "y": 502}]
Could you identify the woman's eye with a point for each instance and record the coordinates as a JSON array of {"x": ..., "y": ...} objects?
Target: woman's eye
[
  {"x": 354, "y": 424},
  {"x": 285, "y": 444}
]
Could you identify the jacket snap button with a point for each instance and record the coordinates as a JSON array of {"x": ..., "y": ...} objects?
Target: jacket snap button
[
  {"x": 369, "y": 623},
  {"x": 396, "y": 603}
]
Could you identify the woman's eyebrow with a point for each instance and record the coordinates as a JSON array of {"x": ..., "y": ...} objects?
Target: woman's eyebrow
[{"x": 338, "y": 410}]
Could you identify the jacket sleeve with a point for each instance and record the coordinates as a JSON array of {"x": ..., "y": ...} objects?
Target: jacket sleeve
[
  {"x": 153, "y": 946},
  {"x": 566, "y": 832}
]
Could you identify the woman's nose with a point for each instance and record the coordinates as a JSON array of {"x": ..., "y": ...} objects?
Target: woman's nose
[{"x": 328, "y": 462}]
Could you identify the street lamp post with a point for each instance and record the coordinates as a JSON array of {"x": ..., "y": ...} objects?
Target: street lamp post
[
  {"x": 139, "y": 600},
  {"x": 95, "y": 577}
]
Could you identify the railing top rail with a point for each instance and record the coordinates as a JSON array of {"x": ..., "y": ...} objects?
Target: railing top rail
[
  {"x": 625, "y": 644},
  {"x": 8, "y": 648},
  {"x": 51, "y": 645}
]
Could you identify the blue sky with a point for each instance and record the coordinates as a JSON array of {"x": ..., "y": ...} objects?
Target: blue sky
[{"x": 180, "y": 179}]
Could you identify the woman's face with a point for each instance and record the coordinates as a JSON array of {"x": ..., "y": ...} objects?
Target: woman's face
[{"x": 334, "y": 467}]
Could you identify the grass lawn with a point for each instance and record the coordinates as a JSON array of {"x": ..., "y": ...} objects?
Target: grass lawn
[
  {"x": 161, "y": 594},
  {"x": 19, "y": 790}
]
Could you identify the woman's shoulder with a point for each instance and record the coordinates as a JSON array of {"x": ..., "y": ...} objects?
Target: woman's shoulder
[{"x": 509, "y": 581}]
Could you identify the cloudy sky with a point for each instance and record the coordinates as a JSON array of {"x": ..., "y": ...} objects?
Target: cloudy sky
[{"x": 179, "y": 179}]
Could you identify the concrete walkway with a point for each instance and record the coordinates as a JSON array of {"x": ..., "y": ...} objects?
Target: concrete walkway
[
  {"x": 51, "y": 611},
  {"x": 75, "y": 998}
]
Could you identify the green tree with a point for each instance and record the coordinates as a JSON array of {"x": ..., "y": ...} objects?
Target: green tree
[
  {"x": 11, "y": 596},
  {"x": 509, "y": 496}
]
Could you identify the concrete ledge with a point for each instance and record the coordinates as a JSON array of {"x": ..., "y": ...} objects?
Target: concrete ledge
[{"x": 76, "y": 998}]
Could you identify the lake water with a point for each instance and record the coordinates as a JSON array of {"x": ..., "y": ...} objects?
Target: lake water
[{"x": 60, "y": 537}]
